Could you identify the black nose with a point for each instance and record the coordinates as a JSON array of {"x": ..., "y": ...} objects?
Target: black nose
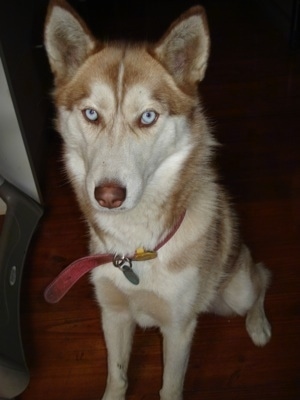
[{"x": 110, "y": 195}]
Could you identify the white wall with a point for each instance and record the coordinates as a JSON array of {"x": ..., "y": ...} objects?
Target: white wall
[{"x": 14, "y": 164}]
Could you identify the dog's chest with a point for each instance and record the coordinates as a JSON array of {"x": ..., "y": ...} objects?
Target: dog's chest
[{"x": 162, "y": 296}]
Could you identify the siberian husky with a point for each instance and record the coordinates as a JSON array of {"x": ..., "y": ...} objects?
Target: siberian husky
[{"x": 138, "y": 152}]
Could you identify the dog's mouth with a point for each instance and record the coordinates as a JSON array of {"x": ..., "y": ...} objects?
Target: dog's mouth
[{"x": 110, "y": 195}]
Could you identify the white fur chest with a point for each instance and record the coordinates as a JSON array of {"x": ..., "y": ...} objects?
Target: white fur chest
[{"x": 161, "y": 296}]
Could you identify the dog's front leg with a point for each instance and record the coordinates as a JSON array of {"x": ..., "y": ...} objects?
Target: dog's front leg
[
  {"x": 176, "y": 347},
  {"x": 118, "y": 331}
]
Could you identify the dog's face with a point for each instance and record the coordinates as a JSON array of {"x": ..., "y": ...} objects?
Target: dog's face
[{"x": 125, "y": 111}]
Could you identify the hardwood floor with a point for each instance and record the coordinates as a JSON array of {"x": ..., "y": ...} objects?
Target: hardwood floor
[{"x": 252, "y": 95}]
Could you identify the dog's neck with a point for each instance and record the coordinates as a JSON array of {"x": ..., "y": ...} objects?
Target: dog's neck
[
  {"x": 122, "y": 233},
  {"x": 70, "y": 275}
]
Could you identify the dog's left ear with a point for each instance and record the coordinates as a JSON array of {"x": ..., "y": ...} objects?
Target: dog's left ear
[{"x": 184, "y": 49}]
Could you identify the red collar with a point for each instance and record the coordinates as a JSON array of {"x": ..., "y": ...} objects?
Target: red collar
[{"x": 56, "y": 290}]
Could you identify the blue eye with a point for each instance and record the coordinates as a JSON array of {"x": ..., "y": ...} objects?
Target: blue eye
[
  {"x": 148, "y": 117},
  {"x": 91, "y": 114}
]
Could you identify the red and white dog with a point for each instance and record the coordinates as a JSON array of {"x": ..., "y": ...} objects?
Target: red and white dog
[{"x": 138, "y": 152}]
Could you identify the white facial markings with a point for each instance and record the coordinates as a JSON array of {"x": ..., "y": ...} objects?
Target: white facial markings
[
  {"x": 140, "y": 106},
  {"x": 164, "y": 148},
  {"x": 172, "y": 147},
  {"x": 101, "y": 99},
  {"x": 120, "y": 84},
  {"x": 135, "y": 141}
]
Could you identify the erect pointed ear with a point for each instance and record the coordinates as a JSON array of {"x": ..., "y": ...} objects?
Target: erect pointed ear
[
  {"x": 68, "y": 41},
  {"x": 184, "y": 49}
]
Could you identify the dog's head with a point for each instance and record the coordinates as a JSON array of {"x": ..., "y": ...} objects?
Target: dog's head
[{"x": 127, "y": 112}]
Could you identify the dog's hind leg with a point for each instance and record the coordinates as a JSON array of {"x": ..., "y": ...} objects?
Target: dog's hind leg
[
  {"x": 118, "y": 330},
  {"x": 176, "y": 349},
  {"x": 257, "y": 324},
  {"x": 244, "y": 295}
]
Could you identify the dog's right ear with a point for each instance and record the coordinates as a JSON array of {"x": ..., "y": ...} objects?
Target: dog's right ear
[{"x": 68, "y": 41}]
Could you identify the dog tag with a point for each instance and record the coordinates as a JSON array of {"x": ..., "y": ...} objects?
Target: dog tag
[
  {"x": 125, "y": 265},
  {"x": 130, "y": 274}
]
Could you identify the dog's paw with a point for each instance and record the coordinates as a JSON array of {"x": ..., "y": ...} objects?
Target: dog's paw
[
  {"x": 109, "y": 397},
  {"x": 113, "y": 395},
  {"x": 259, "y": 329}
]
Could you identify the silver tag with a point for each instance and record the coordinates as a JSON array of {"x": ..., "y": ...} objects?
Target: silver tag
[{"x": 125, "y": 265}]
